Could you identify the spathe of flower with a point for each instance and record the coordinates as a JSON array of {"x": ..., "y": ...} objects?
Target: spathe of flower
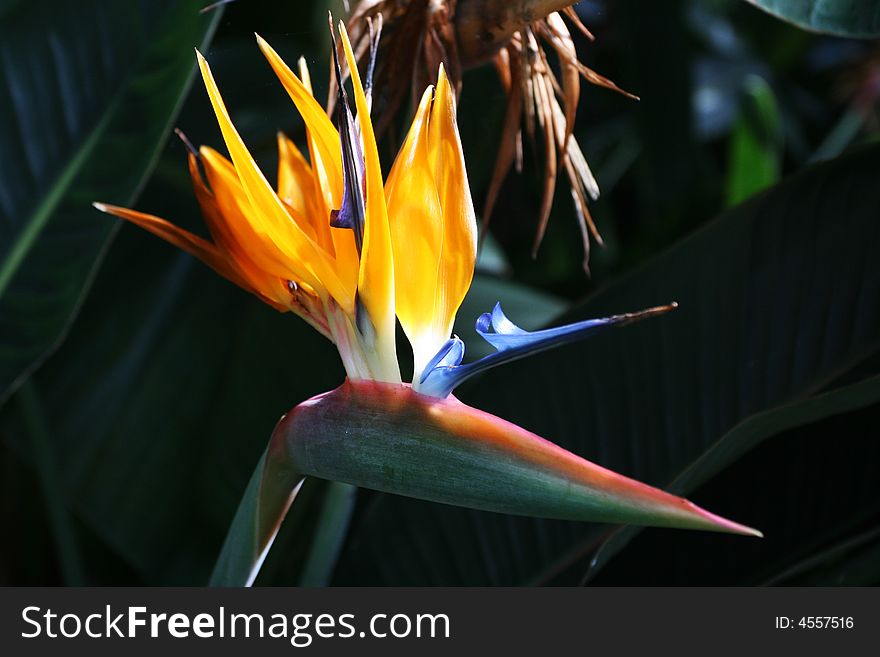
[{"x": 349, "y": 254}]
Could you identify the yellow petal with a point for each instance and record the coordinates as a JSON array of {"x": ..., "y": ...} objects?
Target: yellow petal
[
  {"x": 459, "y": 220},
  {"x": 268, "y": 210},
  {"x": 435, "y": 277},
  {"x": 376, "y": 280},
  {"x": 416, "y": 221}
]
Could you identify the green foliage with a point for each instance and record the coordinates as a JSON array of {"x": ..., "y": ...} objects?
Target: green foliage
[
  {"x": 822, "y": 453},
  {"x": 179, "y": 384},
  {"x": 854, "y": 18},
  {"x": 755, "y": 144},
  {"x": 88, "y": 93},
  {"x": 336, "y": 510}
]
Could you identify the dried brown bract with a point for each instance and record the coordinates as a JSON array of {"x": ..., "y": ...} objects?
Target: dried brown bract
[{"x": 519, "y": 37}]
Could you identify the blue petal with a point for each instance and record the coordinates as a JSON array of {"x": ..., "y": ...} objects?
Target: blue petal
[
  {"x": 505, "y": 331},
  {"x": 449, "y": 355},
  {"x": 504, "y": 335},
  {"x": 445, "y": 373},
  {"x": 439, "y": 375}
]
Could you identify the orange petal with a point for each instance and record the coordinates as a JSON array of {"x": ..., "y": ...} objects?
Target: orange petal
[
  {"x": 296, "y": 187},
  {"x": 326, "y": 160},
  {"x": 272, "y": 289},
  {"x": 323, "y": 138},
  {"x": 242, "y": 222},
  {"x": 328, "y": 186},
  {"x": 269, "y": 213},
  {"x": 186, "y": 241}
]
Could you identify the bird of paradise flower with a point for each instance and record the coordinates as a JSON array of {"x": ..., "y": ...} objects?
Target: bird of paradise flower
[{"x": 351, "y": 256}]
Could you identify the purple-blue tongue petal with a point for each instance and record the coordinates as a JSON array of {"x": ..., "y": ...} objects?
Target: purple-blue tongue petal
[
  {"x": 449, "y": 355},
  {"x": 352, "y": 213},
  {"x": 444, "y": 373}
]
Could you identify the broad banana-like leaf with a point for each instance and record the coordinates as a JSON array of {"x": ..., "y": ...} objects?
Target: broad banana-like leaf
[
  {"x": 389, "y": 438},
  {"x": 846, "y": 18}
]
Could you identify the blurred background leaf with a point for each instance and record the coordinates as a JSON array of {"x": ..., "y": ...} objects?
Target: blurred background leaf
[
  {"x": 755, "y": 144},
  {"x": 814, "y": 482},
  {"x": 89, "y": 91},
  {"x": 164, "y": 400},
  {"x": 858, "y": 18}
]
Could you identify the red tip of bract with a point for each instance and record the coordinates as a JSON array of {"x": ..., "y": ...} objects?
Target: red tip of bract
[{"x": 387, "y": 437}]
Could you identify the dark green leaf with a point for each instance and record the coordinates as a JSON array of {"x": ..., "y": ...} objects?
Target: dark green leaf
[
  {"x": 163, "y": 399},
  {"x": 823, "y": 493},
  {"x": 336, "y": 509},
  {"x": 750, "y": 433},
  {"x": 42, "y": 454},
  {"x": 851, "y": 562},
  {"x": 87, "y": 93},
  {"x": 852, "y": 18}
]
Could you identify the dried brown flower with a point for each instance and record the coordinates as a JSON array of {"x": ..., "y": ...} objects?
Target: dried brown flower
[{"x": 519, "y": 37}]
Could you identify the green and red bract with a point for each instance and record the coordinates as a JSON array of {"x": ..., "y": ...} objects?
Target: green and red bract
[{"x": 390, "y": 438}]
